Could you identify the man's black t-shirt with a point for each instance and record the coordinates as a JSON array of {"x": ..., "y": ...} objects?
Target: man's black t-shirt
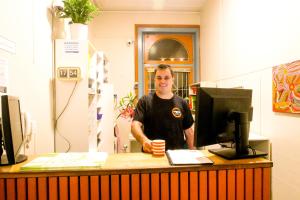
[{"x": 164, "y": 119}]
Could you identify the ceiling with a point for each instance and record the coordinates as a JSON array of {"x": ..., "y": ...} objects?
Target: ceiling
[{"x": 151, "y": 5}]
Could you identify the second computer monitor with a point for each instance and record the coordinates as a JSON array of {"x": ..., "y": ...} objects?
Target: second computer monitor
[{"x": 224, "y": 115}]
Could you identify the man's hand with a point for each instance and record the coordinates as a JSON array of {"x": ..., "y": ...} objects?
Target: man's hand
[{"x": 147, "y": 146}]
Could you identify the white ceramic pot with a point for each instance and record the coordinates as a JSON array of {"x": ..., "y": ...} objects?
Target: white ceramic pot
[{"x": 79, "y": 31}]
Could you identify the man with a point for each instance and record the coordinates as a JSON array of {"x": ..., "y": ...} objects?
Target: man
[{"x": 163, "y": 115}]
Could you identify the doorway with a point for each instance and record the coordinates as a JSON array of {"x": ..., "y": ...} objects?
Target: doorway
[{"x": 177, "y": 46}]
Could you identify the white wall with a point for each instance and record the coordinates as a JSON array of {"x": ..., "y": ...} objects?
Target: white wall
[
  {"x": 28, "y": 25},
  {"x": 240, "y": 43}
]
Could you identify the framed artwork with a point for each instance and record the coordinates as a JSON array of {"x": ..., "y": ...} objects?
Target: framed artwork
[{"x": 286, "y": 87}]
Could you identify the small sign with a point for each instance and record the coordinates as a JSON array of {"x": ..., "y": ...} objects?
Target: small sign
[{"x": 71, "y": 47}]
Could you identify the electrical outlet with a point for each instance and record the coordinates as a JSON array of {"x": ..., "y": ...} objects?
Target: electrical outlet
[{"x": 68, "y": 73}]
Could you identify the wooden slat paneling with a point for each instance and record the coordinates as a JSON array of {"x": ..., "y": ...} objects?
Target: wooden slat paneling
[
  {"x": 145, "y": 186},
  {"x": 222, "y": 182},
  {"x": 155, "y": 186},
  {"x": 114, "y": 185},
  {"x": 74, "y": 188},
  {"x": 240, "y": 184},
  {"x": 231, "y": 184},
  {"x": 32, "y": 188},
  {"x": 184, "y": 185},
  {"x": 212, "y": 185},
  {"x": 53, "y": 188},
  {"x": 164, "y": 187},
  {"x": 193, "y": 185},
  {"x": 266, "y": 183},
  {"x": 63, "y": 188},
  {"x": 258, "y": 184},
  {"x": 42, "y": 188},
  {"x": 21, "y": 188},
  {"x": 174, "y": 186},
  {"x": 203, "y": 185},
  {"x": 94, "y": 187},
  {"x": 10, "y": 188},
  {"x": 2, "y": 188},
  {"x": 249, "y": 184},
  {"x": 135, "y": 186},
  {"x": 105, "y": 187},
  {"x": 84, "y": 187},
  {"x": 125, "y": 192}
]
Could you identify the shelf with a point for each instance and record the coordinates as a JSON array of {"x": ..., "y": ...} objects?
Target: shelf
[{"x": 92, "y": 100}]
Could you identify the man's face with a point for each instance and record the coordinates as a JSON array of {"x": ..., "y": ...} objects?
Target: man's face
[{"x": 163, "y": 81}]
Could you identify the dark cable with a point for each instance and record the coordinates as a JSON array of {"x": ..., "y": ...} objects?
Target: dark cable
[{"x": 65, "y": 107}]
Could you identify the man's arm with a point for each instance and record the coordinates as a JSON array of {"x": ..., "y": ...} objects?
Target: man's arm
[
  {"x": 189, "y": 135},
  {"x": 137, "y": 132}
]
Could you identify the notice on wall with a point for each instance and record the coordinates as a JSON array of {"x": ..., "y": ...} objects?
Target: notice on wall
[
  {"x": 71, "y": 47},
  {"x": 3, "y": 75}
]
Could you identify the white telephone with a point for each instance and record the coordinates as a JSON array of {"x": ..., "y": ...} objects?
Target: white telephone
[{"x": 26, "y": 126}]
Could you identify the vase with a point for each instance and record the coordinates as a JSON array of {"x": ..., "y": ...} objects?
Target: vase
[
  {"x": 79, "y": 31},
  {"x": 124, "y": 125}
]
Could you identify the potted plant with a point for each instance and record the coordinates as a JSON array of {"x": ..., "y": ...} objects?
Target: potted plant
[{"x": 81, "y": 12}]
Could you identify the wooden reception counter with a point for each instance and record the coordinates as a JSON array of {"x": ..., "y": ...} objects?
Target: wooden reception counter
[{"x": 142, "y": 176}]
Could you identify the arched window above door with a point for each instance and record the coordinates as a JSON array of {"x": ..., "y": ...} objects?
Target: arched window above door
[
  {"x": 175, "y": 45},
  {"x": 168, "y": 50}
]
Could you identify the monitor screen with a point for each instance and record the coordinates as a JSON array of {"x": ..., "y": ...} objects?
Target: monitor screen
[
  {"x": 223, "y": 115},
  {"x": 12, "y": 129}
]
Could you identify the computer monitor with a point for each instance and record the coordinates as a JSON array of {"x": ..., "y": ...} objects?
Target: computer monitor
[
  {"x": 12, "y": 133},
  {"x": 224, "y": 115}
]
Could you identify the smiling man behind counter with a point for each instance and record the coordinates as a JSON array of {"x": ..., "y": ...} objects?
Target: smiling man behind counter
[{"x": 163, "y": 115}]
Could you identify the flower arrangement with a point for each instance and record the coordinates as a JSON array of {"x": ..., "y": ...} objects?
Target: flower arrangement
[{"x": 127, "y": 105}]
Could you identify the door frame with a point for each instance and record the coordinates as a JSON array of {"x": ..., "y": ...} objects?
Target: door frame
[{"x": 141, "y": 29}]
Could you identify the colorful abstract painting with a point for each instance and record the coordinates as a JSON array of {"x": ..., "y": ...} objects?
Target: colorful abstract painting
[{"x": 286, "y": 88}]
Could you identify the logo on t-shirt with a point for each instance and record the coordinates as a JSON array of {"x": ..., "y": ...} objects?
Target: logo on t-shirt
[{"x": 176, "y": 112}]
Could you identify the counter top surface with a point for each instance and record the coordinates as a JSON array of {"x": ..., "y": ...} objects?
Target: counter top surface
[{"x": 125, "y": 163}]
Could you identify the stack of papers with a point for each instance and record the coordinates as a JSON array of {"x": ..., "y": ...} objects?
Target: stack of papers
[
  {"x": 187, "y": 157},
  {"x": 55, "y": 161}
]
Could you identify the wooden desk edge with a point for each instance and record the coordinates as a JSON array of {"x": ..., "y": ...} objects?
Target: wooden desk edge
[{"x": 165, "y": 167}]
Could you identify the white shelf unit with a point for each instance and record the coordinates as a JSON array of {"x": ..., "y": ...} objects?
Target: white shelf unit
[{"x": 83, "y": 122}]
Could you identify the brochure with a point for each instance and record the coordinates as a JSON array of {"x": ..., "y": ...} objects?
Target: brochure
[{"x": 55, "y": 161}]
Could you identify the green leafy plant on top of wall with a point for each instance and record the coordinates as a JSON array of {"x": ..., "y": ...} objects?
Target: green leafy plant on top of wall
[{"x": 80, "y": 11}]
